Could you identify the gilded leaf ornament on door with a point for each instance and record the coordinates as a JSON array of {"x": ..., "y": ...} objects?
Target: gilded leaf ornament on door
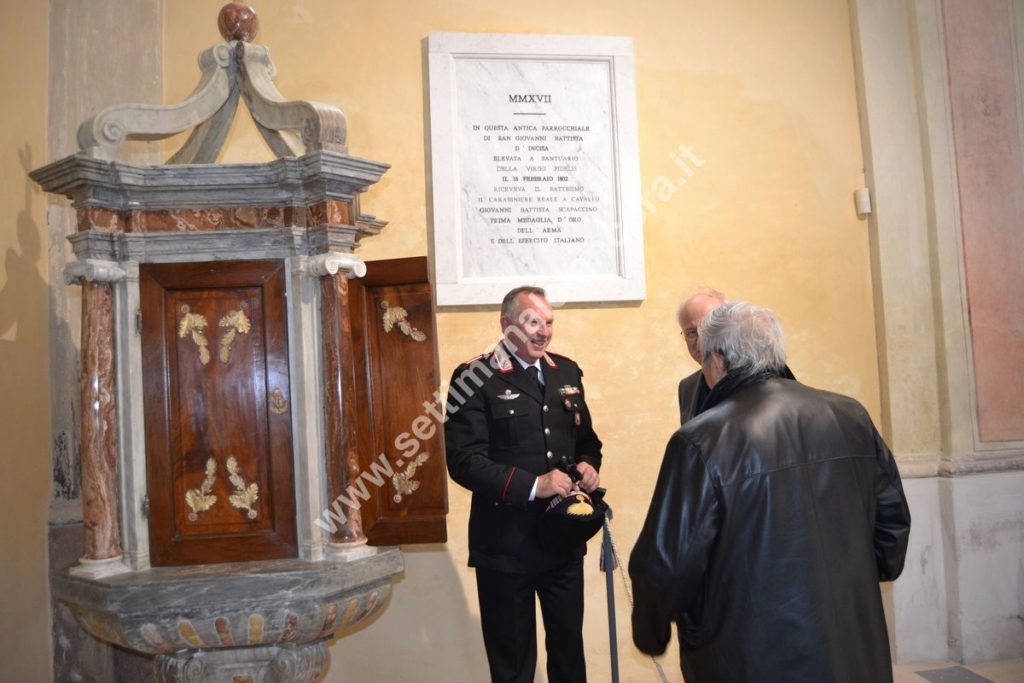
[
  {"x": 200, "y": 500},
  {"x": 403, "y": 482},
  {"x": 193, "y": 324},
  {"x": 396, "y": 315},
  {"x": 237, "y": 323},
  {"x": 245, "y": 495}
]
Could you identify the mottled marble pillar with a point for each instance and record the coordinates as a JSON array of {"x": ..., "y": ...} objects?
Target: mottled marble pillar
[
  {"x": 98, "y": 410},
  {"x": 342, "y": 455}
]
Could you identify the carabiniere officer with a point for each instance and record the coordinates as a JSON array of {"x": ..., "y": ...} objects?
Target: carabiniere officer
[{"x": 513, "y": 414}]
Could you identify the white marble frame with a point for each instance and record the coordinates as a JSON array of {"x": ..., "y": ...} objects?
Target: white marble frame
[
  {"x": 304, "y": 364},
  {"x": 131, "y": 441},
  {"x": 452, "y": 287}
]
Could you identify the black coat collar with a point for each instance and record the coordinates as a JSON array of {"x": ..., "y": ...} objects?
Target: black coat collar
[
  {"x": 510, "y": 370},
  {"x": 731, "y": 384}
]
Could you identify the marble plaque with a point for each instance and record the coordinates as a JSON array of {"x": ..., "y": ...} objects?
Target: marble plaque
[{"x": 535, "y": 168}]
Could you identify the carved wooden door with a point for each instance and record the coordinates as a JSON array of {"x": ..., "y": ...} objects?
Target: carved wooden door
[
  {"x": 216, "y": 402},
  {"x": 400, "y": 431}
]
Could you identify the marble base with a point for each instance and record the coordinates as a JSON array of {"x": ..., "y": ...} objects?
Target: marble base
[
  {"x": 271, "y": 664},
  {"x": 96, "y": 569},
  {"x": 348, "y": 551},
  {"x": 264, "y": 621}
]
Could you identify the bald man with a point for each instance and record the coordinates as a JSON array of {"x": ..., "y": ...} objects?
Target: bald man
[{"x": 694, "y": 389}]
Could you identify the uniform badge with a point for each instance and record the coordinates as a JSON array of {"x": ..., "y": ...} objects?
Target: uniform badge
[
  {"x": 569, "y": 390},
  {"x": 568, "y": 404},
  {"x": 508, "y": 395}
]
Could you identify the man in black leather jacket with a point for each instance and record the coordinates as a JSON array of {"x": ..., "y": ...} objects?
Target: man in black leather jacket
[{"x": 777, "y": 511}]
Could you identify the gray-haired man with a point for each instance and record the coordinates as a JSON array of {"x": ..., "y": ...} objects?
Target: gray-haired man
[{"x": 777, "y": 511}]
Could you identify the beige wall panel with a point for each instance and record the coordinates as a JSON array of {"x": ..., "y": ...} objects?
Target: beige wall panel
[{"x": 24, "y": 398}]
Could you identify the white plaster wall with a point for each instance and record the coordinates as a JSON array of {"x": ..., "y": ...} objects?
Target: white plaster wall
[
  {"x": 987, "y": 528},
  {"x": 920, "y": 624}
]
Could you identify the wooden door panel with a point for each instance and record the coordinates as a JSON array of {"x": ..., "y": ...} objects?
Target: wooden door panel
[
  {"x": 399, "y": 409},
  {"x": 218, "y": 427}
]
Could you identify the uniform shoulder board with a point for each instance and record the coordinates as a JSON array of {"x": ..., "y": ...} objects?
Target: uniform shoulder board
[
  {"x": 554, "y": 359},
  {"x": 474, "y": 359}
]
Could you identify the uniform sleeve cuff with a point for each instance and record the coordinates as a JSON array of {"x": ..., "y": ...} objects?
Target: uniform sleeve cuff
[{"x": 518, "y": 487}]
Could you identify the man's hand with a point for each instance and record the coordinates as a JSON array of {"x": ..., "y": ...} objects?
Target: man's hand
[
  {"x": 590, "y": 480},
  {"x": 555, "y": 482}
]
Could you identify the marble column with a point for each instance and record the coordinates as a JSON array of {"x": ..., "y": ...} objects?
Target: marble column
[
  {"x": 342, "y": 455},
  {"x": 98, "y": 410}
]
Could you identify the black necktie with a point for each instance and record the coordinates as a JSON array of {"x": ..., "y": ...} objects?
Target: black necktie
[{"x": 534, "y": 374}]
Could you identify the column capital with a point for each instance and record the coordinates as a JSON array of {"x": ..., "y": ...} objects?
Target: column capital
[
  {"x": 331, "y": 262},
  {"x": 93, "y": 270}
]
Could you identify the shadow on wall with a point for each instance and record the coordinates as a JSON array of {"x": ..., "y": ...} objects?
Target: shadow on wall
[
  {"x": 23, "y": 342},
  {"x": 24, "y": 290},
  {"x": 25, "y": 486},
  {"x": 23, "y": 356}
]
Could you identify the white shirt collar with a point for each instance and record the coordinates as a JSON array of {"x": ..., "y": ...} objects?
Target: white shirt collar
[{"x": 523, "y": 364}]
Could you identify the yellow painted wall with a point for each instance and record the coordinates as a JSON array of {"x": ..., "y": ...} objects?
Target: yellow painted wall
[
  {"x": 24, "y": 382},
  {"x": 762, "y": 92}
]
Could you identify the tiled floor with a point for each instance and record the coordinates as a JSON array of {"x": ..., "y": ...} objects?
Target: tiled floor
[{"x": 949, "y": 672}]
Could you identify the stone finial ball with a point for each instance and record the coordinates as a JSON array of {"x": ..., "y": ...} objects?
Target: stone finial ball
[{"x": 238, "y": 22}]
